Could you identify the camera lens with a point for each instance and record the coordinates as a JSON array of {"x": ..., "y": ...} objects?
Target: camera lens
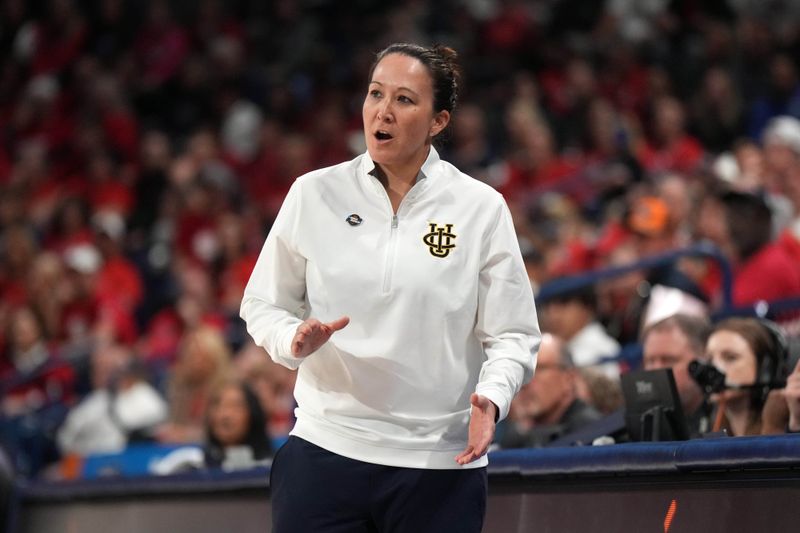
[{"x": 707, "y": 376}]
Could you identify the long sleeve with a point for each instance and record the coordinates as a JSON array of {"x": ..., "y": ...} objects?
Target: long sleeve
[
  {"x": 507, "y": 325},
  {"x": 274, "y": 299}
]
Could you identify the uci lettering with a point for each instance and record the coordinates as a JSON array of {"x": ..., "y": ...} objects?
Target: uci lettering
[{"x": 440, "y": 239}]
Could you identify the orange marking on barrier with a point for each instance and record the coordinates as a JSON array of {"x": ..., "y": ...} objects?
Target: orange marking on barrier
[{"x": 670, "y": 514}]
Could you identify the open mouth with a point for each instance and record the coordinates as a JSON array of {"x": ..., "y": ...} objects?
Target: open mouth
[{"x": 382, "y": 135}]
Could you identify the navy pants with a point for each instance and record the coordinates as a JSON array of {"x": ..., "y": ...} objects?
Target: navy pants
[{"x": 316, "y": 491}]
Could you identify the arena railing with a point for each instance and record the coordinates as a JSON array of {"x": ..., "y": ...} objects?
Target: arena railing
[
  {"x": 565, "y": 284},
  {"x": 785, "y": 311}
]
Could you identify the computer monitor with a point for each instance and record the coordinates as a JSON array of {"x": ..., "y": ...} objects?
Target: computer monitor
[{"x": 653, "y": 409}]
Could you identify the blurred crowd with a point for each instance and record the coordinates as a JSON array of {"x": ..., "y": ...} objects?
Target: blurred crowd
[{"x": 145, "y": 147}]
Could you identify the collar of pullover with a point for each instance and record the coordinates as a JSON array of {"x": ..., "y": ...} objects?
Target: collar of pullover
[{"x": 425, "y": 178}]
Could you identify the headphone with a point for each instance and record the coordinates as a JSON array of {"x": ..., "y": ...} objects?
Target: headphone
[{"x": 772, "y": 369}]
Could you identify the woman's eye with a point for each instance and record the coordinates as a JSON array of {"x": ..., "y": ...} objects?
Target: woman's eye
[
  {"x": 375, "y": 93},
  {"x": 404, "y": 99}
]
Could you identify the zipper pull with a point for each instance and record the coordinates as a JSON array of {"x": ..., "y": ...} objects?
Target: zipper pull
[{"x": 394, "y": 221}]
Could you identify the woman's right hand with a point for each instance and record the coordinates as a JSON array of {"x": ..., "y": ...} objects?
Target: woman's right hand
[
  {"x": 312, "y": 334},
  {"x": 792, "y": 395}
]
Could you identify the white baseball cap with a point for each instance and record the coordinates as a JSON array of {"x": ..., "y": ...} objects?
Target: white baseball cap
[{"x": 783, "y": 130}]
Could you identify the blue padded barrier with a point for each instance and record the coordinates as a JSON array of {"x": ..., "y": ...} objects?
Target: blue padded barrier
[
  {"x": 199, "y": 481},
  {"x": 720, "y": 454},
  {"x": 740, "y": 453},
  {"x": 586, "y": 460}
]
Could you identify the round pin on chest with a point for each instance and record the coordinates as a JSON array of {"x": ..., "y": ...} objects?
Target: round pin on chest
[{"x": 354, "y": 220}]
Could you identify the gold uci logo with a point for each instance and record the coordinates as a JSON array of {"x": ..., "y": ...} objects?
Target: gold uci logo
[{"x": 440, "y": 239}]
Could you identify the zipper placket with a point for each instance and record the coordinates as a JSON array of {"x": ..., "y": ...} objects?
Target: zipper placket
[
  {"x": 390, "y": 251},
  {"x": 392, "y": 246}
]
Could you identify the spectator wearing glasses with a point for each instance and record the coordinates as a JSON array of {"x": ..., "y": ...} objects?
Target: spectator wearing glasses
[{"x": 548, "y": 407}]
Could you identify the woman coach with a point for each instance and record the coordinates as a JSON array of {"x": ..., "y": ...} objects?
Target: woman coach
[{"x": 416, "y": 269}]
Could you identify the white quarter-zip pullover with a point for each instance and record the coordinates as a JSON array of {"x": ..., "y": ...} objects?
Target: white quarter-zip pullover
[{"x": 439, "y": 302}]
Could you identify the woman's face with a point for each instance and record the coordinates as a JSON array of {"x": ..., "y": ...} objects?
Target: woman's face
[
  {"x": 399, "y": 120},
  {"x": 197, "y": 363},
  {"x": 229, "y": 417},
  {"x": 732, "y": 355},
  {"x": 26, "y": 331}
]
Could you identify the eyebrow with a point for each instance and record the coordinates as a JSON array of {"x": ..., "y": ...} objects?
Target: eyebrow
[{"x": 412, "y": 91}]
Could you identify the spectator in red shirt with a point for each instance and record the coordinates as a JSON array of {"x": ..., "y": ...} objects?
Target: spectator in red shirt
[
  {"x": 195, "y": 306},
  {"x": 161, "y": 45},
  {"x": 80, "y": 309},
  {"x": 45, "y": 284},
  {"x": 622, "y": 79},
  {"x": 763, "y": 269},
  {"x": 718, "y": 111},
  {"x": 118, "y": 287},
  {"x": 70, "y": 227},
  {"x": 236, "y": 260},
  {"x": 58, "y": 39},
  {"x": 36, "y": 387},
  {"x": 108, "y": 190},
  {"x": 282, "y": 159},
  {"x": 31, "y": 376},
  {"x": 536, "y": 164},
  {"x": 118, "y": 120},
  {"x": 782, "y": 157},
  {"x": 19, "y": 253},
  {"x": 782, "y": 146},
  {"x": 511, "y": 28},
  {"x": 671, "y": 148},
  {"x": 41, "y": 124},
  {"x": 213, "y": 22}
]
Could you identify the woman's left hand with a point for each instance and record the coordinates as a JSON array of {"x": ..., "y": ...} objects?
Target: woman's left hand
[{"x": 481, "y": 429}]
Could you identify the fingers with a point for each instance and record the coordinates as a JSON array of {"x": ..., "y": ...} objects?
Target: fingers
[
  {"x": 338, "y": 324},
  {"x": 471, "y": 453},
  {"x": 312, "y": 325},
  {"x": 301, "y": 336},
  {"x": 484, "y": 404},
  {"x": 481, "y": 402},
  {"x": 467, "y": 456},
  {"x": 308, "y": 327},
  {"x": 481, "y": 429},
  {"x": 297, "y": 347},
  {"x": 792, "y": 389},
  {"x": 312, "y": 334}
]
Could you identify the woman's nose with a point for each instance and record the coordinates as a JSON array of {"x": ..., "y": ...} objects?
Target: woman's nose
[{"x": 385, "y": 112}]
